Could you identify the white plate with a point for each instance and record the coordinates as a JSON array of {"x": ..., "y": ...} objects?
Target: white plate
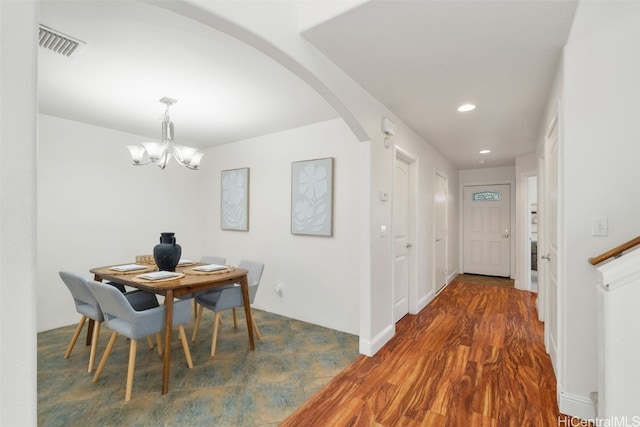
[
  {"x": 128, "y": 267},
  {"x": 158, "y": 275},
  {"x": 210, "y": 267},
  {"x": 185, "y": 261}
]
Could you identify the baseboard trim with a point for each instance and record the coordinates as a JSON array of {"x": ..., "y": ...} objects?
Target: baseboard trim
[
  {"x": 450, "y": 279},
  {"x": 371, "y": 347},
  {"x": 577, "y": 406},
  {"x": 452, "y": 276},
  {"x": 422, "y": 303}
]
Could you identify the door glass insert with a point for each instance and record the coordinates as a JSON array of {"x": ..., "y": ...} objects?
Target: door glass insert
[{"x": 484, "y": 196}]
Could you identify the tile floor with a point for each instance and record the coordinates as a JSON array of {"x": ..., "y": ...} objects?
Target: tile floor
[{"x": 236, "y": 388}]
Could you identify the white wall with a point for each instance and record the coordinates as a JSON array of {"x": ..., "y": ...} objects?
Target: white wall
[
  {"x": 95, "y": 208},
  {"x": 18, "y": 111},
  {"x": 320, "y": 275},
  {"x": 273, "y": 28},
  {"x": 600, "y": 164},
  {"x": 500, "y": 175}
]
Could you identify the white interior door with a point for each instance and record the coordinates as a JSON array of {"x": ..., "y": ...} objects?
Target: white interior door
[
  {"x": 487, "y": 230},
  {"x": 551, "y": 244},
  {"x": 541, "y": 301},
  {"x": 401, "y": 217},
  {"x": 440, "y": 232}
]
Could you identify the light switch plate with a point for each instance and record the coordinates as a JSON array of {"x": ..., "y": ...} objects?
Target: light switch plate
[{"x": 599, "y": 226}]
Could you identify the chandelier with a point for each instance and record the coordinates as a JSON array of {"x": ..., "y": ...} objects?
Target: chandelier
[{"x": 160, "y": 152}]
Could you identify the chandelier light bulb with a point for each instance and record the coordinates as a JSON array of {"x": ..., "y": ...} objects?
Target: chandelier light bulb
[
  {"x": 137, "y": 154},
  {"x": 195, "y": 160}
]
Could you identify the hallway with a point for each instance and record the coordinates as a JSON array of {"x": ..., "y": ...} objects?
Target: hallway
[{"x": 473, "y": 357}]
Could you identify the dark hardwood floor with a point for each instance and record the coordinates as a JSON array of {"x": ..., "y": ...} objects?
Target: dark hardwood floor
[
  {"x": 486, "y": 280},
  {"x": 473, "y": 357}
]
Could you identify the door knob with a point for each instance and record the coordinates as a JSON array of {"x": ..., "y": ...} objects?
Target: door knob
[
  {"x": 547, "y": 257},
  {"x": 409, "y": 245},
  {"x": 506, "y": 233}
]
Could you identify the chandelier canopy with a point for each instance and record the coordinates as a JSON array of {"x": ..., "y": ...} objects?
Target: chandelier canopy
[{"x": 160, "y": 152}]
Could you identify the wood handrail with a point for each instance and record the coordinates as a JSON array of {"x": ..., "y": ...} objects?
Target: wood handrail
[{"x": 615, "y": 251}]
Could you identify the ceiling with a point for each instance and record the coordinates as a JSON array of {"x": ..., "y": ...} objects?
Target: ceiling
[
  {"x": 137, "y": 53},
  {"x": 422, "y": 59}
]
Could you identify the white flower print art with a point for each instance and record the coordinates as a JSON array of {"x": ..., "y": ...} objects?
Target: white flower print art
[
  {"x": 312, "y": 197},
  {"x": 234, "y": 200}
]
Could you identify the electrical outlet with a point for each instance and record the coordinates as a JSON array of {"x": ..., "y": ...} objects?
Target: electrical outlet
[{"x": 279, "y": 289}]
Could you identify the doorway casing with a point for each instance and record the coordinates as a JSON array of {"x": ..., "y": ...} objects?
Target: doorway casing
[{"x": 413, "y": 162}]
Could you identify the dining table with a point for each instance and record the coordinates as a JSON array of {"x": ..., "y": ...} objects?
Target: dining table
[{"x": 189, "y": 280}]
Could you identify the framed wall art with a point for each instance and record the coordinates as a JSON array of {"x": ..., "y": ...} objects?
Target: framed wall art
[
  {"x": 234, "y": 199},
  {"x": 312, "y": 197}
]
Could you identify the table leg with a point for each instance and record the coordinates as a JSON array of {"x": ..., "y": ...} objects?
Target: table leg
[
  {"x": 168, "y": 329},
  {"x": 244, "y": 284}
]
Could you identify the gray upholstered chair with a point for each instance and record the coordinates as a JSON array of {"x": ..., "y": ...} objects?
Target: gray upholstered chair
[
  {"x": 209, "y": 260},
  {"x": 213, "y": 260},
  {"x": 204, "y": 260},
  {"x": 88, "y": 307},
  {"x": 121, "y": 318},
  {"x": 229, "y": 297}
]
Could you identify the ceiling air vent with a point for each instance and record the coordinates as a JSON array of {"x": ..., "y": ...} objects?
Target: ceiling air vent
[{"x": 58, "y": 42}]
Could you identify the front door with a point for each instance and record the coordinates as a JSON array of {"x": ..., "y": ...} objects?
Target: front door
[
  {"x": 487, "y": 230},
  {"x": 401, "y": 218}
]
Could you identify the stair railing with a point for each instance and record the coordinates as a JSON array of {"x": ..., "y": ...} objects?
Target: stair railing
[{"x": 615, "y": 252}]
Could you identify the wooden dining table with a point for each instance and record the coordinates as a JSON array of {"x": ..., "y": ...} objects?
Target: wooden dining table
[{"x": 189, "y": 282}]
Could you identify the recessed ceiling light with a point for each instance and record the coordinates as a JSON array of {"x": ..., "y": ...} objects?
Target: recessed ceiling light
[
  {"x": 466, "y": 107},
  {"x": 485, "y": 151}
]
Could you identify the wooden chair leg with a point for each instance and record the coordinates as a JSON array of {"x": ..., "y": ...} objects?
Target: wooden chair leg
[
  {"x": 195, "y": 306},
  {"x": 159, "y": 339},
  {"x": 197, "y": 324},
  {"x": 215, "y": 334},
  {"x": 185, "y": 346},
  {"x": 75, "y": 336},
  {"x": 105, "y": 356},
  {"x": 255, "y": 327},
  {"x": 235, "y": 318},
  {"x": 150, "y": 341},
  {"x": 94, "y": 346},
  {"x": 130, "y": 370}
]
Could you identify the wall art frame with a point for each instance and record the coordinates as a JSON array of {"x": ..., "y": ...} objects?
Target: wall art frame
[
  {"x": 312, "y": 197},
  {"x": 234, "y": 199}
]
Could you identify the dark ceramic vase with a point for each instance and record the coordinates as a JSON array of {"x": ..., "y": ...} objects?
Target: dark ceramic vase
[{"x": 167, "y": 253}]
